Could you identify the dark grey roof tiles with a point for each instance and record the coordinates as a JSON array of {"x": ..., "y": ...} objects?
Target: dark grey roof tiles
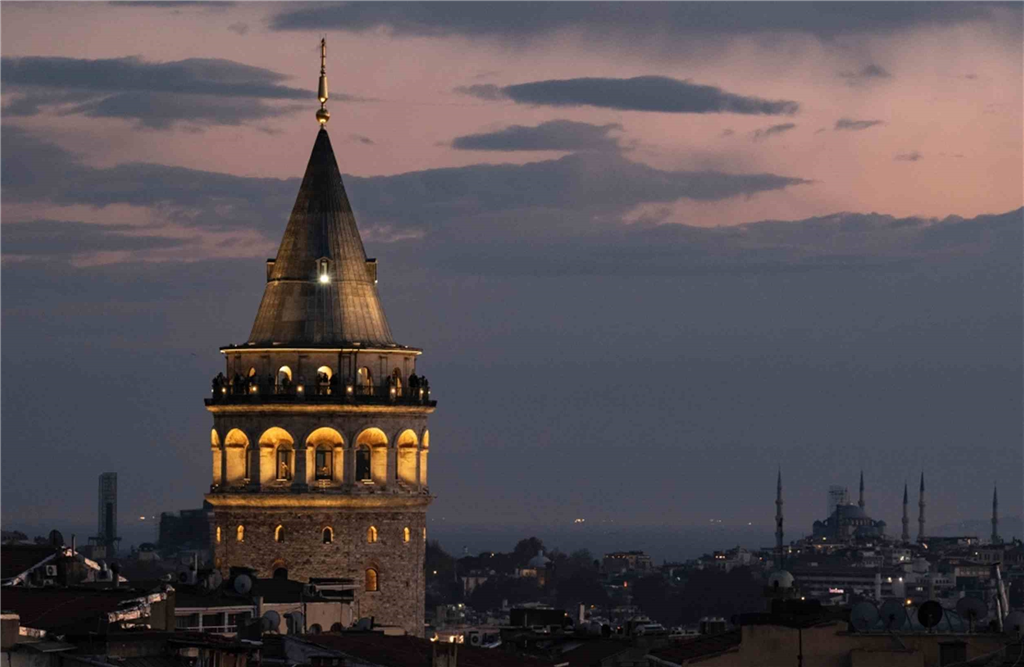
[{"x": 298, "y": 309}]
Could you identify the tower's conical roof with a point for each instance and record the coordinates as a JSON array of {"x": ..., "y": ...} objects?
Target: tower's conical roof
[{"x": 298, "y": 308}]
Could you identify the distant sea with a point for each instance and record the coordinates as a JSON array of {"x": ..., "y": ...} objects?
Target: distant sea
[{"x": 661, "y": 543}]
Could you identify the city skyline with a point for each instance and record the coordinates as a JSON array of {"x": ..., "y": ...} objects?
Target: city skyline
[{"x": 575, "y": 231}]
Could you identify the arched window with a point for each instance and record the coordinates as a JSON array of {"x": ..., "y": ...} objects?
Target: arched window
[
  {"x": 252, "y": 372},
  {"x": 323, "y": 380},
  {"x": 218, "y": 534},
  {"x": 371, "y": 534},
  {"x": 372, "y": 584},
  {"x": 364, "y": 381},
  {"x": 279, "y": 534},
  {"x": 363, "y": 464},
  {"x": 284, "y": 380},
  {"x": 406, "y": 534},
  {"x": 240, "y": 534},
  {"x": 396, "y": 381},
  {"x": 424, "y": 533},
  {"x": 281, "y": 573},
  {"x": 328, "y": 535}
]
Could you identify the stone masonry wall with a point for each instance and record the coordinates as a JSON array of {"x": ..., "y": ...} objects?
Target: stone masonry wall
[{"x": 400, "y": 598}]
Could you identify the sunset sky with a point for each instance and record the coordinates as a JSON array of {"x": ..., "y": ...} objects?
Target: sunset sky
[{"x": 652, "y": 251}]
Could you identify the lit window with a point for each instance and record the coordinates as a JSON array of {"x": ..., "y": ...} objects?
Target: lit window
[
  {"x": 324, "y": 464},
  {"x": 371, "y": 534},
  {"x": 279, "y": 534},
  {"x": 405, "y": 534},
  {"x": 328, "y": 535},
  {"x": 424, "y": 533},
  {"x": 371, "y": 580},
  {"x": 240, "y": 534},
  {"x": 284, "y": 471},
  {"x": 218, "y": 534}
]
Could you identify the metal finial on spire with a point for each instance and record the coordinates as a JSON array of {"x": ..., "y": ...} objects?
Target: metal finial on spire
[{"x": 322, "y": 114}]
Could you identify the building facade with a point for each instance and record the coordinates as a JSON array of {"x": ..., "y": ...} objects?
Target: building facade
[{"x": 320, "y": 436}]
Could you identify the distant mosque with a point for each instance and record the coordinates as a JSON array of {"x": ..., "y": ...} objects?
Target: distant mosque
[{"x": 849, "y": 522}]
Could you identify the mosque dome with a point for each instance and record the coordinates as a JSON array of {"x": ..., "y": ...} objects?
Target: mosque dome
[
  {"x": 540, "y": 561},
  {"x": 780, "y": 579}
]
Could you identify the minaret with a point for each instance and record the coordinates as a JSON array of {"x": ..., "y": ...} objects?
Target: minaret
[
  {"x": 320, "y": 437},
  {"x": 905, "y": 537},
  {"x": 920, "y": 513},
  {"x": 778, "y": 521},
  {"x": 860, "y": 502},
  {"x": 995, "y": 517}
]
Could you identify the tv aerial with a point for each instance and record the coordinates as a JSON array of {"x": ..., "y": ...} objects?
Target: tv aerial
[
  {"x": 894, "y": 615},
  {"x": 863, "y": 616},
  {"x": 930, "y": 614},
  {"x": 972, "y": 609}
]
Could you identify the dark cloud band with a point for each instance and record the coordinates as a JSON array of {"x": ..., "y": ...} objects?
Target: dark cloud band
[
  {"x": 642, "y": 93},
  {"x": 555, "y": 135}
]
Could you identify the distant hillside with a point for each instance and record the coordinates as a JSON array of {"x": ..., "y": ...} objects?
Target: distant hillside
[{"x": 1009, "y": 527}]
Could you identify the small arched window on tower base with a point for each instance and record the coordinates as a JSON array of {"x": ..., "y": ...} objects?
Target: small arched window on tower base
[
  {"x": 371, "y": 534},
  {"x": 328, "y": 535},
  {"x": 405, "y": 534},
  {"x": 372, "y": 584}
]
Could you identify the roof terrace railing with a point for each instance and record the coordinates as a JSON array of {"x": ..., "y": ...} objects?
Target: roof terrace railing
[{"x": 248, "y": 391}]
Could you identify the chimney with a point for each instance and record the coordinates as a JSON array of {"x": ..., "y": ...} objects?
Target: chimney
[{"x": 10, "y": 626}]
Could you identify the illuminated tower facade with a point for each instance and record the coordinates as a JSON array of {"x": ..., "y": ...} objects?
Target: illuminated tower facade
[{"x": 320, "y": 436}]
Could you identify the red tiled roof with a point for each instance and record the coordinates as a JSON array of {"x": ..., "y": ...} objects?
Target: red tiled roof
[
  {"x": 706, "y": 645},
  {"x": 415, "y": 652}
]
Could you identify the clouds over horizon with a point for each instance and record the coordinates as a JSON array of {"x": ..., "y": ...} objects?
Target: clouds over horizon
[
  {"x": 585, "y": 189},
  {"x": 553, "y": 135},
  {"x": 855, "y": 125},
  {"x": 641, "y": 93},
  {"x": 510, "y": 21},
  {"x": 157, "y": 95}
]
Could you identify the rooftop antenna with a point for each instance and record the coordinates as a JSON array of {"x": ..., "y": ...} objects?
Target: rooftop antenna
[{"x": 322, "y": 114}]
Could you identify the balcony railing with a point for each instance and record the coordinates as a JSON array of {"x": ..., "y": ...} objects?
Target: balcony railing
[{"x": 229, "y": 393}]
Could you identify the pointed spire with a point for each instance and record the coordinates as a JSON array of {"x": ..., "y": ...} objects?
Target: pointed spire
[
  {"x": 322, "y": 114},
  {"x": 905, "y": 536},
  {"x": 995, "y": 516},
  {"x": 920, "y": 514},
  {"x": 860, "y": 502},
  {"x": 321, "y": 289},
  {"x": 778, "y": 520}
]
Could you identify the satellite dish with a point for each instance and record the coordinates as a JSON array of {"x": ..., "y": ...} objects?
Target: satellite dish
[
  {"x": 243, "y": 584},
  {"x": 930, "y": 614},
  {"x": 894, "y": 616},
  {"x": 972, "y": 609},
  {"x": 183, "y": 577},
  {"x": 1013, "y": 624},
  {"x": 863, "y": 616},
  {"x": 214, "y": 580},
  {"x": 271, "y": 620}
]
